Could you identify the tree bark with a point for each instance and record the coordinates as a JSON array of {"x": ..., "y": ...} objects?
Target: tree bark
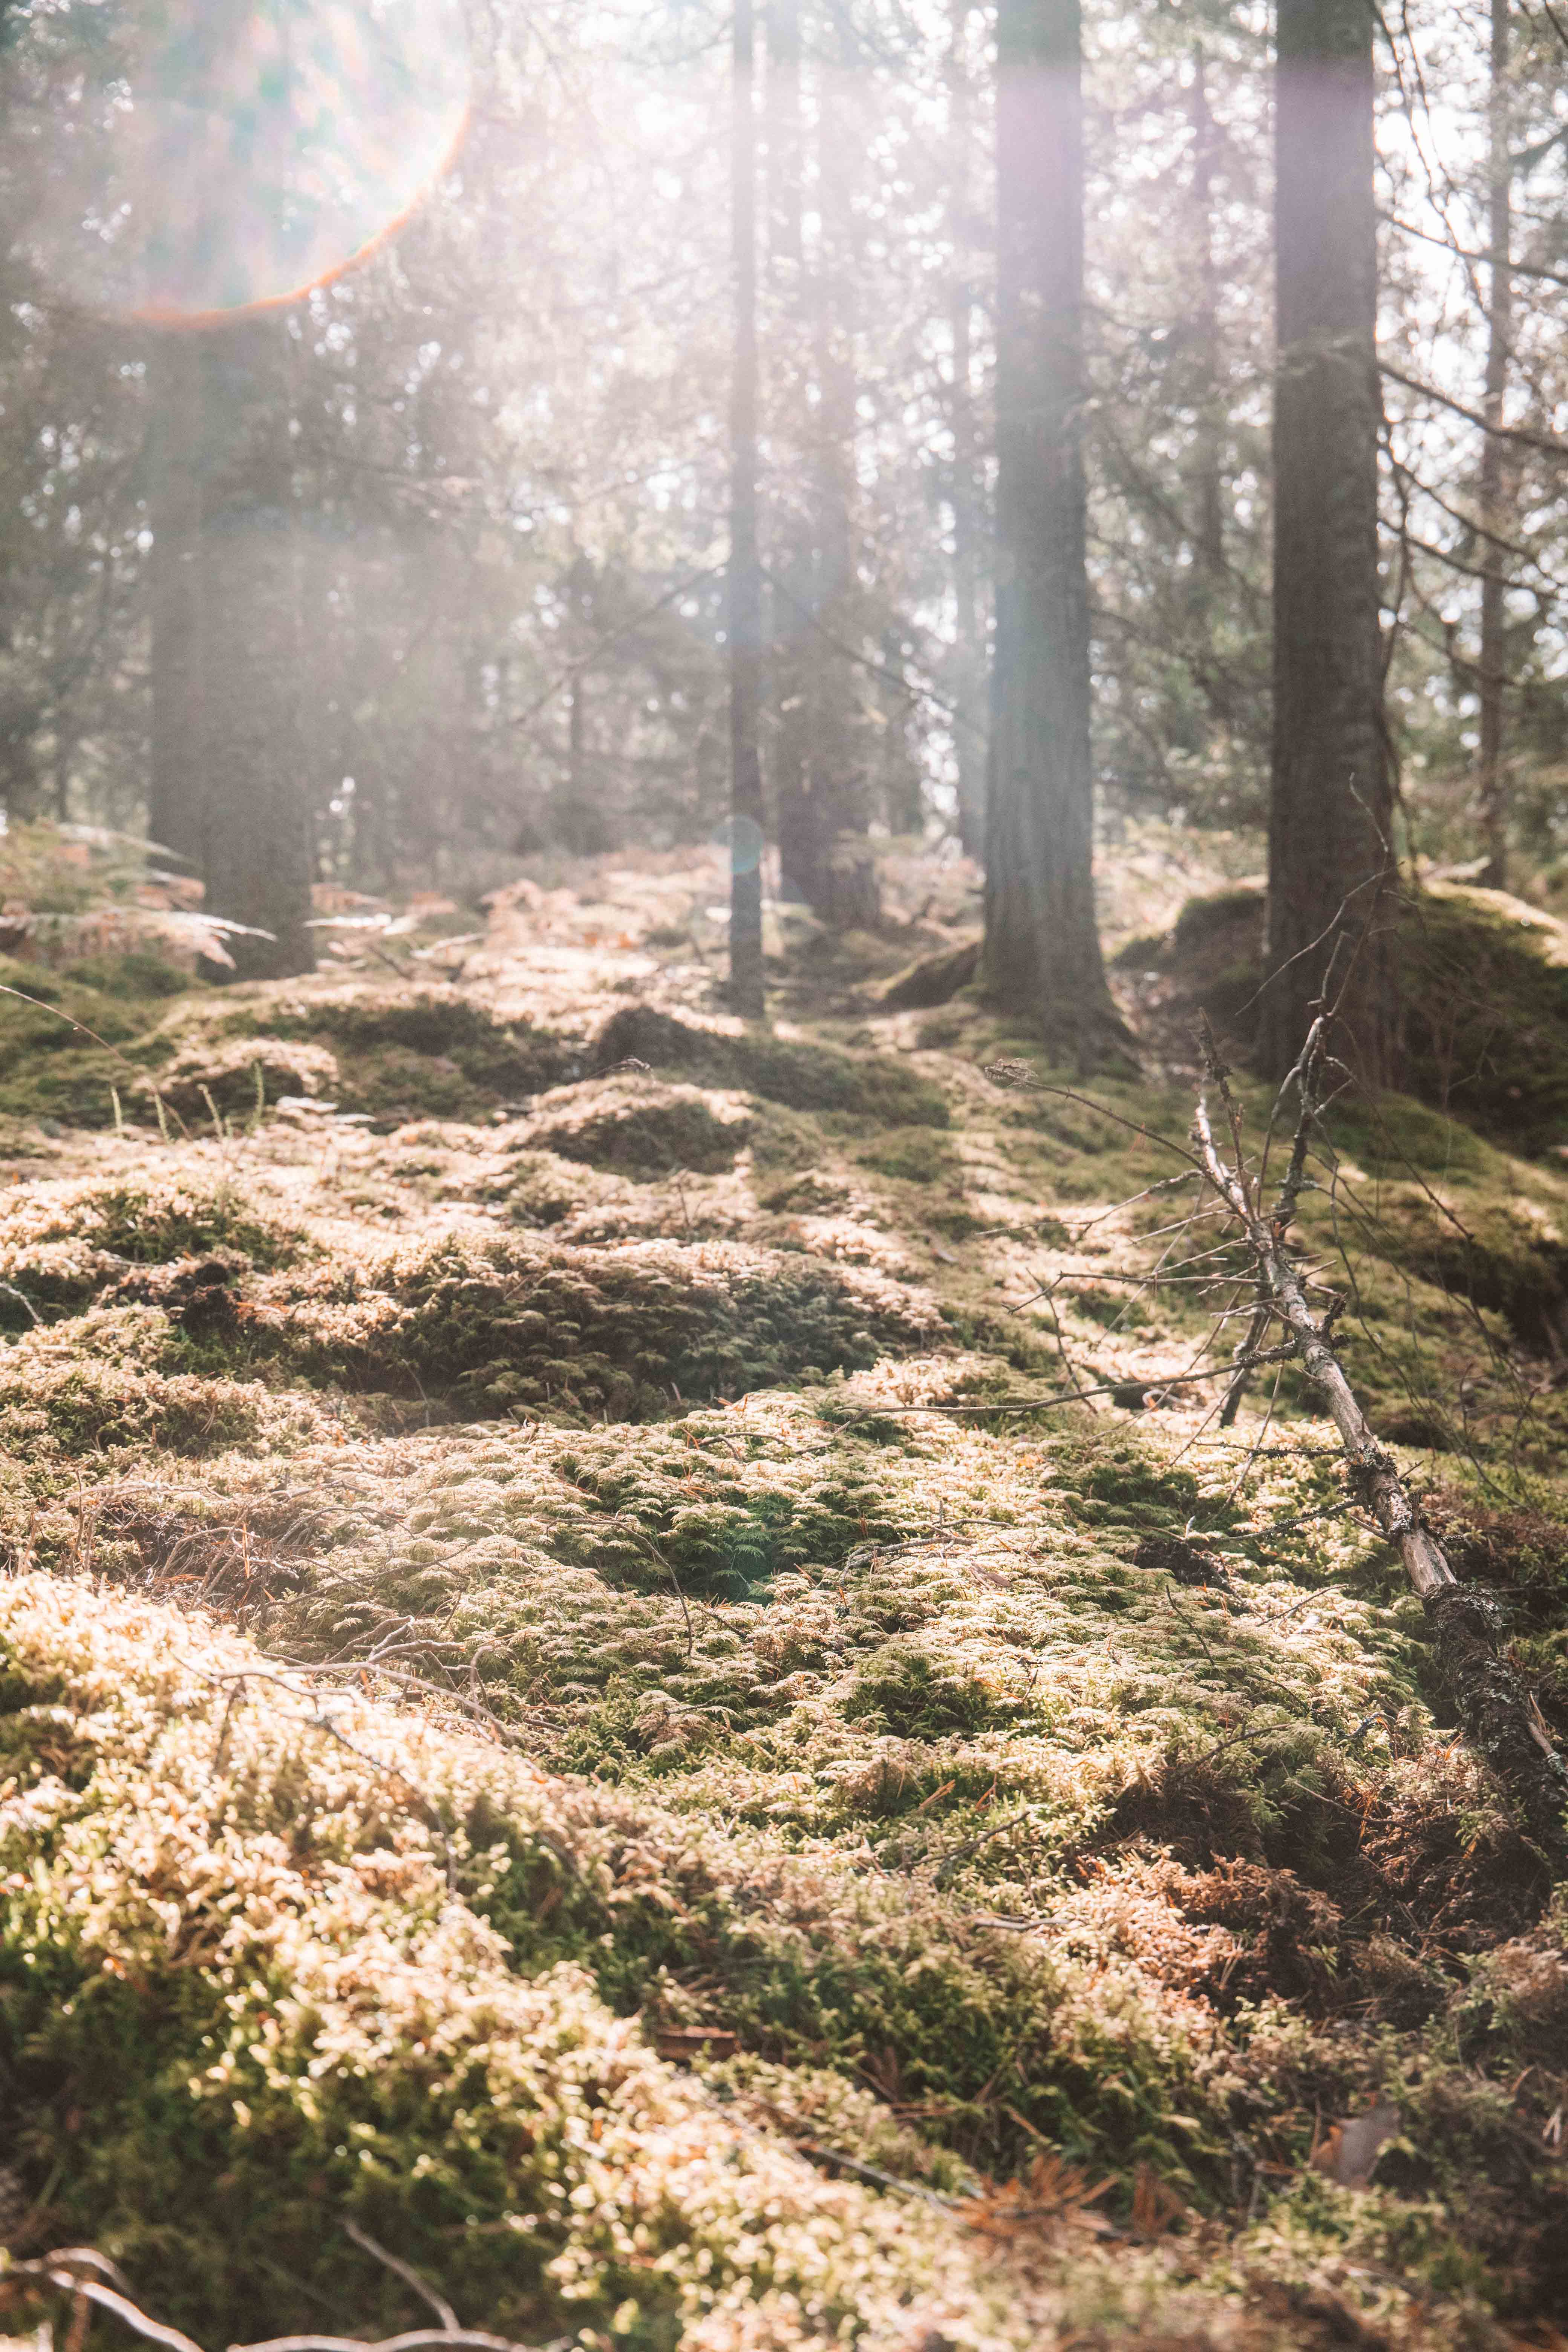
[
  {"x": 1329, "y": 822},
  {"x": 745, "y": 581},
  {"x": 1041, "y": 958},
  {"x": 174, "y": 813},
  {"x": 1492, "y": 780},
  {"x": 257, "y": 857}
]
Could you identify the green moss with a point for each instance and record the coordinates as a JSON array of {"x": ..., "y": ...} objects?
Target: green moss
[
  {"x": 797, "y": 1071},
  {"x": 913, "y": 1156},
  {"x": 423, "y": 1053},
  {"x": 639, "y": 1126},
  {"x": 635, "y": 1329},
  {"x": 92, "y": 1409},
  {"x": 1485, "y": 1019}
]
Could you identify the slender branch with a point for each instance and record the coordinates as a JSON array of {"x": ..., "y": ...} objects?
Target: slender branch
[{"x": 409, "y": 2275}]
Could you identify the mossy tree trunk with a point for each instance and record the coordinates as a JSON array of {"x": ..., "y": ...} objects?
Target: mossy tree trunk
[
  {"x": 1041, "y": 958},
  {"x": 1329, "y": 864},
  {"x": 257, "y": 855}
]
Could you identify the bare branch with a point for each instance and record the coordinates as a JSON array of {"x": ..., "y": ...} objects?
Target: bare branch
[{"x": 409, "y": 2275}]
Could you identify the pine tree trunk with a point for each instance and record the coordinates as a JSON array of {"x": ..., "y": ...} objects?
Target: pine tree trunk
[
  {"x": 1041, "y": 958},
  {"x": 257, "y": 856},
  {"x": 745, "y": 582},
  {"x": 1330, "y": 860},
  {"x": 1494, "y": 486},
  {"x": 174, "y": 816}
]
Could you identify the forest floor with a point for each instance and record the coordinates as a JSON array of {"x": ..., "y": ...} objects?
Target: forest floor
[{"x": 555, "y": 1714}]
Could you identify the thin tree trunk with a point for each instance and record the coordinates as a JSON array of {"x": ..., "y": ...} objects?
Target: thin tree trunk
[
  {"x": 967, "y": 502},
  {"x": 1041, "y": 958},
  {"x": 745, "y": 582},
  {"x": 576, "y": 712},
  {"x": 1209, "y": 493},
  {"x": 1493, "y": 792},
  {"x": 1330, "y": 858},
  {"x": 793, "y": 652},
  {"x": 65, "y": 753},
  {"x": 839, "y": 875},
  {"x": 175, "y": 815},
  {"x": 257, "y": 856}
]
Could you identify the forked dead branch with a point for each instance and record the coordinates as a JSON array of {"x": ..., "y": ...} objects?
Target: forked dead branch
[{"x": 1494, "y": 1703}]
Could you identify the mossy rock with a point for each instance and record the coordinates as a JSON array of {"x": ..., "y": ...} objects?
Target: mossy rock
[
  {"x": 795, "y": 1072},
  {"x": 1486, "y": 1020},
  {"x": 1484, "y": 990},
  {"x": 641, "y": 1126}
]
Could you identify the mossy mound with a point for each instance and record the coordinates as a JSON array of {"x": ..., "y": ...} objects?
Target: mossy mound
[
  {"x": 797, "y": 1072},
  {"x": 640, "y": 1125},
  {"x": 234, "y": 1078},
  {"x": 148, "y": 1218},
  {"x": 1486, "y": 1022},
  {"x": 1484, "y": 990},
  {"x": 64, "y": 1245},
  {"x": 635, "y": 1329},
  {"x": 85, "y": 1408},
  {"x": 425, "y": 1052},
  {"x": 69, "y": 1049}
]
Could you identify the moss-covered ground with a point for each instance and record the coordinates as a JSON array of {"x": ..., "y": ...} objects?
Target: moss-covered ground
[{"x": 560, "y": 1704}]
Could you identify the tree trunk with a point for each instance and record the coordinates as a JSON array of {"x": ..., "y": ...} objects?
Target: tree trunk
[
  {"x": 1208, "y": 487},
  {"x": 968, "y": 665},
  {"x": 1330, "y": 855},
  {"x": 1493, "y": 794},
  {"x": 1041, "y": 957},
  {"x": 826, "y": 850},
  {"x": 174, "y": 815},
  {"x": 745, "y": 582},
  {"x": 257, "y": 856},
  {"x": 795, "y": 648}
]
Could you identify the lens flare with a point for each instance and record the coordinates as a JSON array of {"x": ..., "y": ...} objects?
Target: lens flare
[
  {"x": 185, "y": 159},
  {"x": 742, "y": 838}
]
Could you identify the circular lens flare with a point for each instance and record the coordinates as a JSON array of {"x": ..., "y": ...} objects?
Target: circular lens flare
[
  {"x": 741, "y": 836},
  {"x": 191, "y": 159}
]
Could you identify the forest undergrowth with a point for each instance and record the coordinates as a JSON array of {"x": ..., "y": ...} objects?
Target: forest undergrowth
[{"x": 563, "y": 1706}]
